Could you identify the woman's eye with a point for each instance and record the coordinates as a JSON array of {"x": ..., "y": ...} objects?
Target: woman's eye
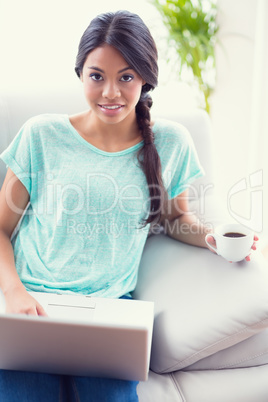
[
  {"x": 127, "y": 78},
  {"x": 96, "y": 77}
]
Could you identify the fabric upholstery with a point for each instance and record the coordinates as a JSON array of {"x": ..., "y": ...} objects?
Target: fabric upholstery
[{"x": 203, "y": 304}]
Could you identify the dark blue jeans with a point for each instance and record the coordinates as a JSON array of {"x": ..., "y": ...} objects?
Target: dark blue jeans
[{"x": 18, "y": 386}]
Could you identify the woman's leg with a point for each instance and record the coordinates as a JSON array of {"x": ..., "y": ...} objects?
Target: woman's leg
[
  {"x": 91, "y": 389},
  {"x": 19, "y": 386}
]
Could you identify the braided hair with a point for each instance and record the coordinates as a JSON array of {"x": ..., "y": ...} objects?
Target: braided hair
[{"x": 127, "y": 33}]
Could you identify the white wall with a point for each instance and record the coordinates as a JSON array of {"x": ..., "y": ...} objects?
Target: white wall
[{"x": 232, "y": 108}]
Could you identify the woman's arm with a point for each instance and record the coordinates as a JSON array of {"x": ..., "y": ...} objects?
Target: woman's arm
[
  {"x": 14, "y": 199},
  {"x": 183, "y": 225}
]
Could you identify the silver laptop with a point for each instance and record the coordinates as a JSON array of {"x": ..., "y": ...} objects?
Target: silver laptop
[{"x": 82, "y": 336}]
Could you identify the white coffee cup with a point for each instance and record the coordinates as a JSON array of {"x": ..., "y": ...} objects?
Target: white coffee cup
[{"x": 230, "y": 246}]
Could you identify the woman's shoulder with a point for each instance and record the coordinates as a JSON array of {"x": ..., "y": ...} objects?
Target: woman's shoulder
[
  {"x": 44, "y": 120},
  {"x": 171, "y": 130}
]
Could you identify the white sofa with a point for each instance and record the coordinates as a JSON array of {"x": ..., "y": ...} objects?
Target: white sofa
[{"x": 210, "y": 340}]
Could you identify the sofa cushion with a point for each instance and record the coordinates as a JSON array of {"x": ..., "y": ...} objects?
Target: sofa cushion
[
  {"x": 203, "y": 304},
  {"x": 159, "y": 388},
  {"x": 240, "y": 385},
  {"x": 251, "y": 352}
]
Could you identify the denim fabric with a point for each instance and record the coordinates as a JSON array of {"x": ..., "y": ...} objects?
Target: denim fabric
[
  {"x": 80, "y": 389},
  {"x": 18, "y": 386}
]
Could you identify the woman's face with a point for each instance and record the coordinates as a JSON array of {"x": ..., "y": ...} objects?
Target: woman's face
[{"x": 112, "y": 88}]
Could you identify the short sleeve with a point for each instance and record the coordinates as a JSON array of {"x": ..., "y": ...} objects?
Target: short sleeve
[
  {"x": 179, "y": 159},
  {"x": 18, "y": 156},
  {"x": 187, "y": 167}
]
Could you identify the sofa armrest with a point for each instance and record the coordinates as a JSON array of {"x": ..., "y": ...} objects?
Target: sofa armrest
[{"x": 203, "y": 303}]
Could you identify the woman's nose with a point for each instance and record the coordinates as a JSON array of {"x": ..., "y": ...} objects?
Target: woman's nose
[{"x": 111, "y": 90}]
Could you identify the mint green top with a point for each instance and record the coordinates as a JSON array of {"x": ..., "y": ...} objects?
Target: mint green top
[{"x": 81, "y": 232}]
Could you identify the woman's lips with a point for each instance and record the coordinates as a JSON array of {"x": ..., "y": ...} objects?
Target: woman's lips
[
  {"x": 111, "y": 109},
  {"x": 113, "y": 106}
]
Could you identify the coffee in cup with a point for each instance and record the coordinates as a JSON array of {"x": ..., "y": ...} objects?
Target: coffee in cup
[
  {"x": 234, "y": 234},
  {"x": 233, "y": 241}
]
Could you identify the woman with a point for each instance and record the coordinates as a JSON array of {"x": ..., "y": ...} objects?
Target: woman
[{"x": 88, "y": 187}]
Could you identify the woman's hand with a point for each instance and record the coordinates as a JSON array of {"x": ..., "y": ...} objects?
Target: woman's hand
[
  {"x": 19, "y": 301},
  {"x": 212, "y": 241},
  {"x": 253, "y": 247}
]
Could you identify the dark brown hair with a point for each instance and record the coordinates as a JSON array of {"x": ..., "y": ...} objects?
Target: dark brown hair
[{"x": 130, "y": 36}]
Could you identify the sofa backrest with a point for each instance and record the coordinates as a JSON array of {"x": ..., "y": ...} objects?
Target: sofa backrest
[{"x": 15, "y": 109}]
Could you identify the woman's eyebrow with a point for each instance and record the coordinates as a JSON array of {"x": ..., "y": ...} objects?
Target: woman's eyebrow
[
  {"x": 125, "y": 69},
  {"x": 101, "y": 71},
  {"x": 96, "y": 68}
]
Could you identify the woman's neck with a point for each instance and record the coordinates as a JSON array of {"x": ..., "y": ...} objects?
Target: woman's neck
[{"x": 109, "y": 137}]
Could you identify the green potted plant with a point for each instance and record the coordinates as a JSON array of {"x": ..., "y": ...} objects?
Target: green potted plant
[{"x": 192, "y": 29}]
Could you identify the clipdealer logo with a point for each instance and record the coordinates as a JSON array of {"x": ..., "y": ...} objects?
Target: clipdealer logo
[{"x": 254, "y": 184}]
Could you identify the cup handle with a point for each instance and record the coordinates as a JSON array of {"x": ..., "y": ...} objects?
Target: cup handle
[{"x": 213, "y": 248}]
